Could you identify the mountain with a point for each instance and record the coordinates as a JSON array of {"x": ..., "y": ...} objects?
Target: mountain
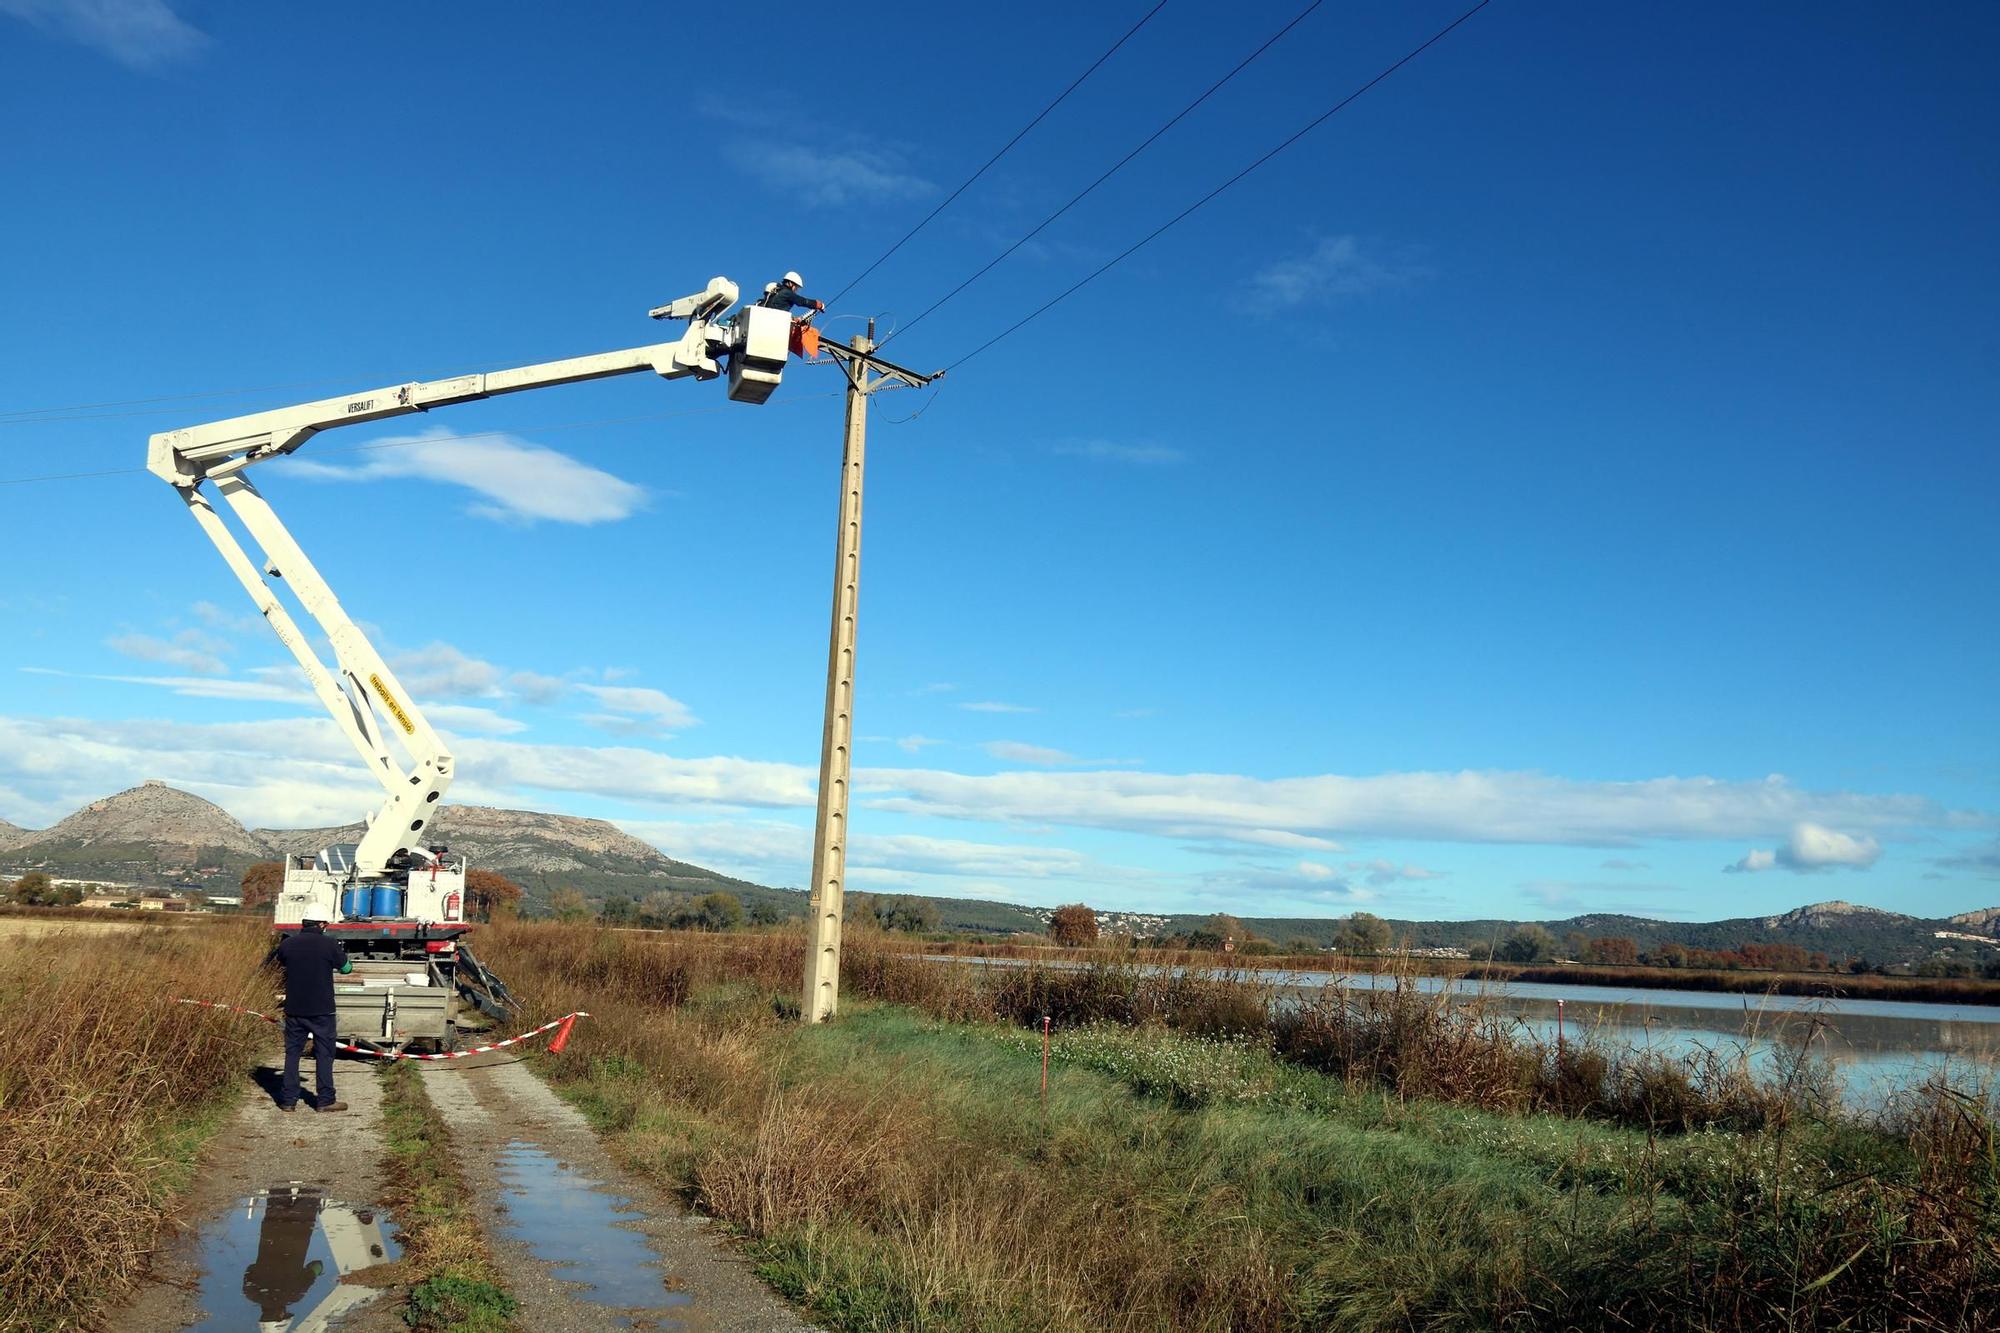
[
  {"x": 1835, "y": 915},
  {"x": 11, "y": 835},
  {"x": 151, "y": 833},
  {"x": 543, "y": 853}
]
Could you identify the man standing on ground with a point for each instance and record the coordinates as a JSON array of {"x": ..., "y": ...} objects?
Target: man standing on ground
[{"x": 310, "y": 960}]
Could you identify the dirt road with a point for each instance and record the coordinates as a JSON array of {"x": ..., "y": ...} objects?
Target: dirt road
[{"x": 287, "y": 1204}]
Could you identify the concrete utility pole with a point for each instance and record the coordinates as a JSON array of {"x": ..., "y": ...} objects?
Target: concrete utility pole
[{"x": 865, "y": 374}]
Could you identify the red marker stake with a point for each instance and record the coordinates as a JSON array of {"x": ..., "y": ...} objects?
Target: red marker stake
[
  {"x": 1559, "y": 1032},
  {"x": 1045, "y": 1061}
]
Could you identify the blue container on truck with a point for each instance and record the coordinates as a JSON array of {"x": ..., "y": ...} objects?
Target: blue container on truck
[
  {"x": 385, "y": 901},
  {"x": 353, "y": 903}
]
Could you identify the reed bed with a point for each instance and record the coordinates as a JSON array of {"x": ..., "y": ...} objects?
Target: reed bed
[{"x": 106, "y": 1091}]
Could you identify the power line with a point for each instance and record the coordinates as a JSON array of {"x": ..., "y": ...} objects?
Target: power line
[
  {"x": 1177, "y": 218},
  {"x": 1115, "y": 168},
  {"x": 454, "y": 439},
  {"x": 1003, "y": 150}
]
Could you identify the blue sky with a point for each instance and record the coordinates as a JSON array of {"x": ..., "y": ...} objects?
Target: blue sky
[{"x": 1562, "y": 482}]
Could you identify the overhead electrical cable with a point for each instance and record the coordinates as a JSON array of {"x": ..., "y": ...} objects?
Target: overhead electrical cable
[
  {"x": 1181, "y": 216},
  {"x": 1004, "y": 148},
  {"x": 1114, "y": 169}
]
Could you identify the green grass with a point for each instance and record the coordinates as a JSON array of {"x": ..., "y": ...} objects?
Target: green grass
[{"x": 454, "y": 1286}]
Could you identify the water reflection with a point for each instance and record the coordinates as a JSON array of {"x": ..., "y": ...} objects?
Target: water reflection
[
  {"x": 291, "y": 1246},
  {"x": 570, "y": 1224}
]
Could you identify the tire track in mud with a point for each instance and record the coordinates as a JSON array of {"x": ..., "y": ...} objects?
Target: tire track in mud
[{"x": 585, "y": 1245}]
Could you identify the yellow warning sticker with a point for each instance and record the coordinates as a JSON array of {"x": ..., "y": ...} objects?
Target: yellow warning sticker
[{"x": 395, "y": 709}]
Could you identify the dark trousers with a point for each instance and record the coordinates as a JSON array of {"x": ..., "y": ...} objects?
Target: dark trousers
[{"x": 320, "y": 1028}]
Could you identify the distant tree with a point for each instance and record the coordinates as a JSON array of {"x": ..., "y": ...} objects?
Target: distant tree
[
  {"x": 1073, "y": 925},
  {"x": 1574, "y": 944},
  {"x": 1612, "y": 950},
  {"x": 1479, "y": 951},
  {"x": 491, "y": 896},
  {"x": 1301, "y": 944},
  {"x": 33, "y": 889},
  {"x": 261, "y": 884},
  {"x": 1226, "y": 928},
  {"x": 617, "y": 912},
  {"x": 711, "y": 911},
  {"x": 911, "y": 915},
  {"x": 765, "y": 912},
  {"x": 657, "y": 909},
  {"x": 1527, "y": 944},
  {"x": 1201, "y": 938},
  {"x": 1992, "y": 969},
  {"x": 568, "y": 905},
  {"x": 1363, "y": 932}
]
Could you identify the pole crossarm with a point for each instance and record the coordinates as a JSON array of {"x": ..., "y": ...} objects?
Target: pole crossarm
[{"x": 886, "y": 372}]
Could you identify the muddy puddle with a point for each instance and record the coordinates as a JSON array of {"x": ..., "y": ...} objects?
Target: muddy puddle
[
  {"x": 276, "y": 1261},
  {"x": 582, "y": 1233}
]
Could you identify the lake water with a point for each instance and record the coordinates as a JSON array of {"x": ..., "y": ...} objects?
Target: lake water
[{"x": 1876, "y": 1046}]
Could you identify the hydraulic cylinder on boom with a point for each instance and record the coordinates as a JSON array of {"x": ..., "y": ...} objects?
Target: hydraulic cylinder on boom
[{"x": 394, "y": 890}]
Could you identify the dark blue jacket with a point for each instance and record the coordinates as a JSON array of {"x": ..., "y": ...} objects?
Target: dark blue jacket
[{"x": 311, "y": 958}]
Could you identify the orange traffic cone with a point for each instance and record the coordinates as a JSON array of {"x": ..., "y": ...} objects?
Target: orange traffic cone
[{"x": 562, "y": 1035}]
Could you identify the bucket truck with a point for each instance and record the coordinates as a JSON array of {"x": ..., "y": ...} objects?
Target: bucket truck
[{"x": 397, "y": 897}]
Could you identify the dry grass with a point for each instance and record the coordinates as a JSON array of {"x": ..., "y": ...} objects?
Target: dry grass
[{"x": 105, "y": 1089}]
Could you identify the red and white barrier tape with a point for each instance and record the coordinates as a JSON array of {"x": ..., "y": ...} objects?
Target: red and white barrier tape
[{"x": 564, "y": 1023}]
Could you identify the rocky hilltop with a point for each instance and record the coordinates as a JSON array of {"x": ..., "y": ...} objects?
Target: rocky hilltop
[
  {"x": 1984, "y": 921},
  {"x": 150, "y": 816},
  {"x": 11, "y": 835},
  {"x": 1830, "y": 915}
]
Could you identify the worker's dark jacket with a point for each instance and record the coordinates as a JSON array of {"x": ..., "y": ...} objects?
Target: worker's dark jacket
[
  {"x": 310, "y": 958},
  {"x": 782, "y": 297}
]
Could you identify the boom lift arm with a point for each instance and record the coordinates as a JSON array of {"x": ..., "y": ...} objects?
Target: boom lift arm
[{"x": 750, "y": 348}]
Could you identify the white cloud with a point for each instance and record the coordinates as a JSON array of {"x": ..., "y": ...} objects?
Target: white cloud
[
  {"x": 535, "y": 688},
  {"x": 1812, "y": 847},
  {"x": 1497, "y": 807},
  {"x": 1109, "y": 451},
  {"x": 521, "y": 482},
  {"x": 471, "y": 718},
  {"x": 989, "y": 706},
  {"x": 268, "y": 687},
  {"x": 915, "y": 741},
  {"x": 1018, "y": 752},
  {"x": 1335, "y": 266},
  {"x": 1381, "y": 871},
  {"x": 229, "y": 622},
  {"x": 190, "y": 650},
  {"x": 1620, "y": 863},
  {"x": 141, "y": 34},
  {"x": 56, "y": 759},
  {"x": 640, "y": 704},
  {"x": 439, "y": 670},
  {"x": 828, "y": 177}
]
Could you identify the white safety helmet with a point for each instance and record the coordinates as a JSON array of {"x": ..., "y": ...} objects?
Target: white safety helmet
[{"x": 795, "y": 280}]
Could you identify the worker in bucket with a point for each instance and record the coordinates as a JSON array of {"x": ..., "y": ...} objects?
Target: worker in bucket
[
  {"x": 784, "y": 294},
  {"x": 310, "y": 958}
]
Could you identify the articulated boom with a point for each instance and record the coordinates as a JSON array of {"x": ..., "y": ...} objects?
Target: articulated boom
[{"x": 360, "y": 691}]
